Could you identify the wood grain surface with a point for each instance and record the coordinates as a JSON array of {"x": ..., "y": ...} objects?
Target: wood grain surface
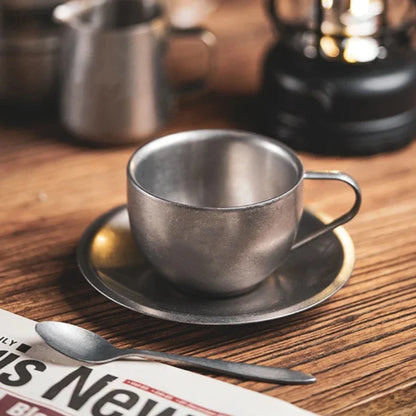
[{"x": 361, "y": 343}]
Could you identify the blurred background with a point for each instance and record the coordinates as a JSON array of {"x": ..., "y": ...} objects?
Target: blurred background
[{"x": 325, "y": 76}]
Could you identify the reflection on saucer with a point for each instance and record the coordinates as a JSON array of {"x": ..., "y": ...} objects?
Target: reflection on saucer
[{"x": 113, "y": 246}]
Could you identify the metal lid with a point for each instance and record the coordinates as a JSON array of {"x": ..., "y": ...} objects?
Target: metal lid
[{"x": 41, "y": 42}]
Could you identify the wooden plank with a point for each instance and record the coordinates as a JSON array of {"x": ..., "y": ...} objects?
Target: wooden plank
[{"x": 360, "y": 343}]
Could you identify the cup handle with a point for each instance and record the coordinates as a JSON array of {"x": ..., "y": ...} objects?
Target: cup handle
[
  {"x": 209, "y": 40},
  {"x": 337, "y": 176}
]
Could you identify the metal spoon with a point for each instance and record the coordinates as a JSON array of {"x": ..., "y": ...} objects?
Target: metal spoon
[{"x": 86, "y": 346}]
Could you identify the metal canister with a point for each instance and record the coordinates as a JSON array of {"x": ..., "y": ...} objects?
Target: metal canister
[{"x": 29, "y": 53}]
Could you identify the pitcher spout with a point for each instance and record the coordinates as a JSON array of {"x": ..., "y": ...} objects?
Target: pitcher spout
[{"x": 70, "y": 12}]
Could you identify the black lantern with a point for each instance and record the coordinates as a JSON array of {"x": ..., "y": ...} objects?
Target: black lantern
[{"x": 342, "y": 77}]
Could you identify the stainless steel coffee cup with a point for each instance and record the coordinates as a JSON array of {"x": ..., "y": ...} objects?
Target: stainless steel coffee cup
[
  {"x": 114, "y": 86},
  {"x": 217, "y": 211}
]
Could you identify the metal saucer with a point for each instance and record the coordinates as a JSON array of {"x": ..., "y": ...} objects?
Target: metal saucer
[{"x": 111, "y": 262}]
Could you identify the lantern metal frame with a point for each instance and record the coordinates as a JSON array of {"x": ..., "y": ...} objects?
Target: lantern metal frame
[
  {"x": 339, "y": 106},
  {"x": 401, "y": 35}
]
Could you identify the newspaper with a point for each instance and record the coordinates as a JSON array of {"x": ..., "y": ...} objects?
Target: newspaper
[{"x": 37, "y": 381}]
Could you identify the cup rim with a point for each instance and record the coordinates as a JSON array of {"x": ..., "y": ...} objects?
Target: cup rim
[{"x": 214, "y": 132}]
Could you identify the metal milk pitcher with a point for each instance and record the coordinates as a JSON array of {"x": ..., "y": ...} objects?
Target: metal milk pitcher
[{"x": 114, "y": 86}]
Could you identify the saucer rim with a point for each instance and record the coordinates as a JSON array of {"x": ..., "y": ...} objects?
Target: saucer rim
[{"x": 92, "y": 277}]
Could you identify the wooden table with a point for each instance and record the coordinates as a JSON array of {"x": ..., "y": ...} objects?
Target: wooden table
[{"x": 361, "y": 344}]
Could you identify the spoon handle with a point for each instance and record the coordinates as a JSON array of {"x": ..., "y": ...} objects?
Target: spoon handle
[{"x": 239, "y": 370}]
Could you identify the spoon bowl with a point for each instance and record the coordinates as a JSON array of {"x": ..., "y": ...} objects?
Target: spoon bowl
[{"x": 77, "y": 343}]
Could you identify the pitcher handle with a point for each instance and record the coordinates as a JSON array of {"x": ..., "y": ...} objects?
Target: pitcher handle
[
  {"x": 209, "y": 40},
  {"x": 338, "y": 176},
  {"x": 272, "y": 11}
]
